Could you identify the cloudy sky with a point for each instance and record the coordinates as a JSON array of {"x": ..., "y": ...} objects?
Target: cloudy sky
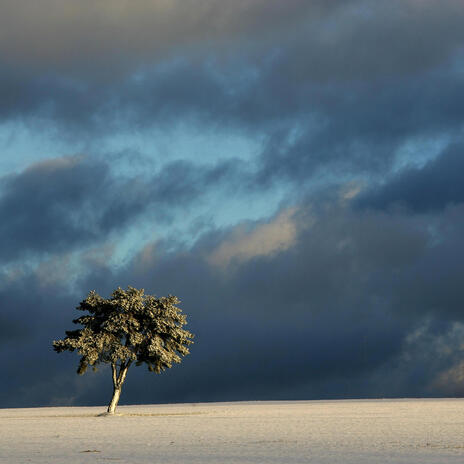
[{"x": 291, "y": 170}]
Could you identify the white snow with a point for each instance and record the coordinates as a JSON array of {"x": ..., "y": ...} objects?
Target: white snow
[{"x": 369, "y": 431}]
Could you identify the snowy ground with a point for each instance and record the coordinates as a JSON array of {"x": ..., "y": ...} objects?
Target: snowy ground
[{"x": 380, "y": 431}]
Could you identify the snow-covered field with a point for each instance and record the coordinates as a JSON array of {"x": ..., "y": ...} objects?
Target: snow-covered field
[{"x": 377, "y": 431}]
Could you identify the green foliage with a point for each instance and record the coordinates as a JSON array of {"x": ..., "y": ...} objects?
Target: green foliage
[{"x": 128, "y": 327}]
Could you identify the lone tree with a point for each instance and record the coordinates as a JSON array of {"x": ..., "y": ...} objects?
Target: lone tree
[{"x": 128, "y": 327}]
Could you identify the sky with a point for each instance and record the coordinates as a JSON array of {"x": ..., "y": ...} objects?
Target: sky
[{"x": 292, "y": 171}]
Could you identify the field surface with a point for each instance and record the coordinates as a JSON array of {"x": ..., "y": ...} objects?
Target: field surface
[{"x": 377, "y": 431}]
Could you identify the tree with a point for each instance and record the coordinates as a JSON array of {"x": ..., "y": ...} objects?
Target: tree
[{"x": 129, "y": 327}]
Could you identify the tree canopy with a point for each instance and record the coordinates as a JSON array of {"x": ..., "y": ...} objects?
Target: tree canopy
[{"x": 129, "y": 327}]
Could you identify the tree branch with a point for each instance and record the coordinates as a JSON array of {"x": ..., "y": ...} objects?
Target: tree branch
[
  {"x": 115, "y": 375},
  {"x": 123, "y": 372}
]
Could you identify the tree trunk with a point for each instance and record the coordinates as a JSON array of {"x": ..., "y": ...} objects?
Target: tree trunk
[
  {"x": 114, "y": 400},
  {"x": 118, "y": 380}
]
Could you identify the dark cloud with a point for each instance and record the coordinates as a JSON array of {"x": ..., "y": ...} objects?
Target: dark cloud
[
  {"x": 45, "y": 206},
  {"x": 350, "y": 67},
  {"x": 308, "y": 131},
  {"x": 409, "y": 34},
  {"x": 61, "y": 204},
  {"x": 357, "y": 130},
  {"x": 111, "y": 37},
  {"x": 434, "y": 186},
  {"x": 364, "y": 40}
]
